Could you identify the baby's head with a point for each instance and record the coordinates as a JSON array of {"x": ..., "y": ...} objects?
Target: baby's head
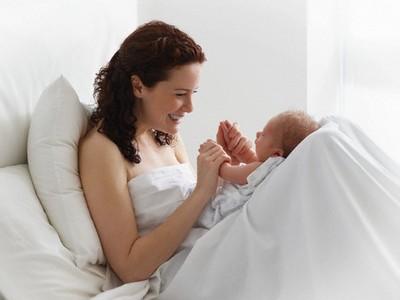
[{"x": 283, "y": 133}]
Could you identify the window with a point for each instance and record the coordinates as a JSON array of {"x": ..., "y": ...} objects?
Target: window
[{"x": 370, "y": 69}]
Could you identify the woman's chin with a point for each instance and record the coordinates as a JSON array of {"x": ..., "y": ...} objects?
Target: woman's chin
[
  {"x": 169, "y": 126},
  {"x": 168, "y": 129}
]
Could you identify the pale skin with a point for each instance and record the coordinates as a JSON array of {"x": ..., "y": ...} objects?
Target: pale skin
[
  {"x": 105, "y": 174},
  {"x": 267, "y": 144}
]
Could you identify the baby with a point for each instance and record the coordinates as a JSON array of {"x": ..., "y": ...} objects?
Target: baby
[{"x": 273, "y": 144}]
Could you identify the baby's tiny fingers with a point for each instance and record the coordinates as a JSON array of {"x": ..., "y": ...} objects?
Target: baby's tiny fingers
[
  {"x": 240, "y": 145},
  {"x": 235, "y": 140}
]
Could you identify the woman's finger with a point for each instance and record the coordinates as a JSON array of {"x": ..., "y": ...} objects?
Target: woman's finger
[
  {"x": 220, "y": 159},
  {"x": 207, "y": 145},
  {"x": 212, "y": 152},
  {"x": 214, "y": 148},
  {"x": 218, "y": 153},
  {"x": 201, "y": 147}
]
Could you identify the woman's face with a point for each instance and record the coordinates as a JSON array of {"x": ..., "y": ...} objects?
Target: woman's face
[{"x": 164, "y": 106}]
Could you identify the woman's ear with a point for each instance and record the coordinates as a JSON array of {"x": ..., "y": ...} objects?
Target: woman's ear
[{"x": 137, "y": 86}]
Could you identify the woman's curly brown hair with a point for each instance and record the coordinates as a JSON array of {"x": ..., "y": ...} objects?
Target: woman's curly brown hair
[{"x": 150, "y": 52}]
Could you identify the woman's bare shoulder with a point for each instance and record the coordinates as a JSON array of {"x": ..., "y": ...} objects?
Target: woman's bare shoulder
[
  {"x": 97, "y": 151},
  {"x": 94, "y": 138},
  {"x": 95, "y": 143}
]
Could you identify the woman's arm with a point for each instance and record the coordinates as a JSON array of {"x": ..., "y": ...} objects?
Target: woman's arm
[
  {"x": 104, "y": 180},
  {"x": 237, "y": 174}
]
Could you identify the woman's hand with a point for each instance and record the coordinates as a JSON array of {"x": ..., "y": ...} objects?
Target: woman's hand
[
  {"x": 211, "y": 156},
  {"x": 234, "y": 143}
]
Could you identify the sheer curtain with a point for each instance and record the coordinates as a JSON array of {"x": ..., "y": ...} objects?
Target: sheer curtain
[{"x": 370, "y": 69}]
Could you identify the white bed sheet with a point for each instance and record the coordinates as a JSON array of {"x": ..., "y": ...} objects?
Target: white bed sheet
[{"x": 326, "y": 225}]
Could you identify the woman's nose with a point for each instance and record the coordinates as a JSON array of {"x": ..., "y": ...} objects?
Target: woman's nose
[{"x": 188, "y": 104}]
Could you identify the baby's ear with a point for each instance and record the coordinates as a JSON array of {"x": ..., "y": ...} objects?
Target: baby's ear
[{"x": 278, "y": 152}]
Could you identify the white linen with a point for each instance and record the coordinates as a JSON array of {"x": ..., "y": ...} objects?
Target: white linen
[
  {"x": 58, "y": 123},
  {"x": 326, "y": 225},
  {"x": 34, "y": 264},
  {"x": 231, "y": 197},
  {"x": 156, "y": 195}
]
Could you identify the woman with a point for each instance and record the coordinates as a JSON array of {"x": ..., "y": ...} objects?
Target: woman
[
  {"x": 143, "y": 94},
  {"x": 294, "y": 239}
]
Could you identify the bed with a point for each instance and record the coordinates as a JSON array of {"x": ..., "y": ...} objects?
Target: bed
[
  {"x": 49, "y": 248},
  {"x": 45, "y": 42}
]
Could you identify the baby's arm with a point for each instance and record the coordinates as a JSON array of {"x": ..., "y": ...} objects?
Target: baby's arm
[{"x": 237, "y": 173}]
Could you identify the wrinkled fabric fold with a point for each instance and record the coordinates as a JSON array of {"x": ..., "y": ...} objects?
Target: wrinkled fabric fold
[
  {"x": 231, "y": 197},
  {"x": 325, "y": 225}
]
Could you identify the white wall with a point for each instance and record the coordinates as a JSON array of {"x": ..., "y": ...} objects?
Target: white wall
[
  {"x": 39, "y": 41},
  {"x": 256, "y": 64},
  {"x": 324, "y": 57}
]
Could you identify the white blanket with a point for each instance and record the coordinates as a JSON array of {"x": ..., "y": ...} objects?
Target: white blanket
[
  {"x": 231, "y": 197},
  {"x": 325, "y": 225}
]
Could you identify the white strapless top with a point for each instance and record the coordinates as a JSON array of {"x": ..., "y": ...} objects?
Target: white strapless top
[{"x": 157, "y": 194}]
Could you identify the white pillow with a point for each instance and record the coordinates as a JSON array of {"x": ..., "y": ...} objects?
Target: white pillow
[
  {"x": 34, "y": 263},
  {"x": 58, "y": 122}
]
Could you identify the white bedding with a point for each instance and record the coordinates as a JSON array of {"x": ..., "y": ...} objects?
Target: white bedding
[
  {"x": 325, "y": 225},
  {"x": 231, "y": 197}
]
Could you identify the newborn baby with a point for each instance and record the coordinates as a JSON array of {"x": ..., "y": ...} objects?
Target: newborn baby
[{"x": 273, "y": 144}]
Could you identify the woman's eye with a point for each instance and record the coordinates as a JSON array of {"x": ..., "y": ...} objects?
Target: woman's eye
[{"x": 180, "y": 94}]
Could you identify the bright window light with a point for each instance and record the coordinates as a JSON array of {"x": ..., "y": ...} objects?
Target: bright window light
[{"x": 370, "y": 69}]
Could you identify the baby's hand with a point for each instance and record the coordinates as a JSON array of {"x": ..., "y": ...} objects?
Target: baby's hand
[
  {"x": 237, "y": 142},
  {"x": 233, "y": 142},
  {"x": 223, "y": 139}
]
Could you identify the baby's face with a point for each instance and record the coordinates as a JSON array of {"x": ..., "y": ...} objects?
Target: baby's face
[{"x": 267, "y": 141}]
